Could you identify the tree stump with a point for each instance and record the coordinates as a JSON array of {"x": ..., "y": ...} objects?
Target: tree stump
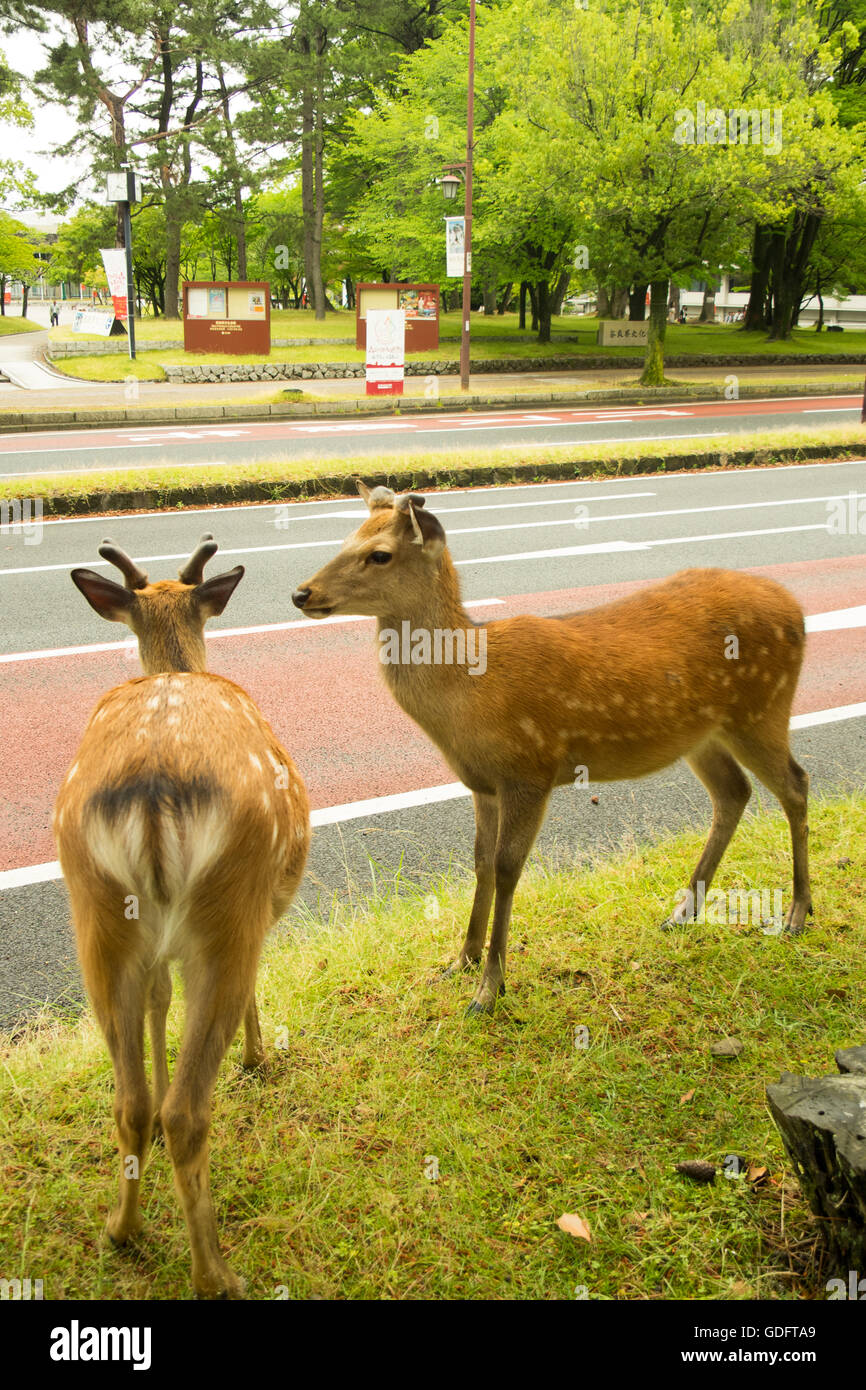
[{"x": 822, "y": 1122}]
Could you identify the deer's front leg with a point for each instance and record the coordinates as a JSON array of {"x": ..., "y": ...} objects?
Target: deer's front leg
[
  {"x": 486, "y": 829},
  {"x": 521, "y": 811}
]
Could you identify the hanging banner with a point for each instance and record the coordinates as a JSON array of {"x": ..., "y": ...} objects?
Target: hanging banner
[
  {"x": 386, "y": 340},
  {"x": 114, "y": 260},
  {"x": 455, "y": 245}
]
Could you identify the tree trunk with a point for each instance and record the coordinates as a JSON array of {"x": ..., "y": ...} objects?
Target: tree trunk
[
  {"x": 559, "y": 292},
  {"x": 489, "y": 295},
  {"x": 637, "y": 303},
  {"x": 819, "y": 322},
  {"x": 545, "y": 307},
  {"x": 533, "y": 301},
  {"x": 505, "y": 298},
  {"x": 756, "y": 310},
  {"x": 654, "y": 362},
  {"x": 674, "y": 303},
  {"x": 821, "y": 1124},
  {"x": 2, "y": 296},
  {"x": 25, "y": 291},
  {"x": 521, "y": 320},
  {"x": 172, "y": 257},
  {"x": 708, "y": 306}
]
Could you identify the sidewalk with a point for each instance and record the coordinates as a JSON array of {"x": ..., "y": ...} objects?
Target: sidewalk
[{"x": 147, "y": 399}]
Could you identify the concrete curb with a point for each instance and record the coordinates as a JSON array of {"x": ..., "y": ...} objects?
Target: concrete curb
[
  {"x": 408, "y": 479},
  {"x": 14, "y": 421}
]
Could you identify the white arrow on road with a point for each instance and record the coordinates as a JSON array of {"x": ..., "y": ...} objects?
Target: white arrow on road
[{"x": 146, "y": 438}]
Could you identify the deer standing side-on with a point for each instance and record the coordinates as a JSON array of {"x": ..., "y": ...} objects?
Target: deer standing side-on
[
  {"x": 182, "y": 828},
  {"x": 701, "y": 666}
]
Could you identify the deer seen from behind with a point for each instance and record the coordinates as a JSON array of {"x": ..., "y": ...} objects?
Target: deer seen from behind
[
  {"x": 702, "y": 666},
  {"x": 182, "y": 828}
]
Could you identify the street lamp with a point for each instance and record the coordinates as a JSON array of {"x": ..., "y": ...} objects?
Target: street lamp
[
  {"x": 124, "y": 187},
  {"x": 449, "y": 185}
]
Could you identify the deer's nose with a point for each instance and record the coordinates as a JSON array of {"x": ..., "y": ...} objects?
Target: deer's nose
[{"x": 300, "y": 596}]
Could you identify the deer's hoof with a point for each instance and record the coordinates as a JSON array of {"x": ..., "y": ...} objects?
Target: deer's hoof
[{"x": 476, "y": 1008}]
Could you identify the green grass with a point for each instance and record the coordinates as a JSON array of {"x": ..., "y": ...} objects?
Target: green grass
[
  {"x": 693, "y": 340},
  {"x": 10, "y": 325},
  {"x": 164, "y": 480},
  {"x": 318, "y": 1166}
]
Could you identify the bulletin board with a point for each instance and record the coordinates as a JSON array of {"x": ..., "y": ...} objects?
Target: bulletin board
[
  {"x": 231, "y": 316},
  {"x": 420, "y": 303}
]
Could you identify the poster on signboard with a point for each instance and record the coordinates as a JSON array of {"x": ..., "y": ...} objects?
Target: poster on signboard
[
  {"x": 257, "y": 302},
  {"x": 196, "y": 304},
  {"x": 114, "y": 260},
  {"x": 94, "y": 321},
  {"x": 216, "y": 304},
  {"x": 455, "y": 241},
  {"x": 386, "y": 350}
]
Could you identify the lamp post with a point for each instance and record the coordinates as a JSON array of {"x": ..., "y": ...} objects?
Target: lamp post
[
  {"x": 449, "y": 185},
  {"x": 123, "y": 188}
]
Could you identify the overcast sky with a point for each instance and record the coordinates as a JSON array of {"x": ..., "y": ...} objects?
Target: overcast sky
[{"x": 52, "y": 125}]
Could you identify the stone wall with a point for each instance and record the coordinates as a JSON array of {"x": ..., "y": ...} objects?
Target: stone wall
[{"x": 318, "y": 371}]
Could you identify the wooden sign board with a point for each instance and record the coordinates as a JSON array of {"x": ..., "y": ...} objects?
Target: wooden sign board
[
  {"x": 420, "y": 306},
  {"x": 230, "y": 316}
]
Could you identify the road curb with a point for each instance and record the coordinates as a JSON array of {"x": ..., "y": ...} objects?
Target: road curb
[
  {"x": 409, "y": 479},
  {"x": 202, "y": 414}
]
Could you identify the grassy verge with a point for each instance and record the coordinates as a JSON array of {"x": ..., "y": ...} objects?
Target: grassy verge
[
  {"x": 320, "y": 1167},
  {"x": 10, "y": 326},
  {"x": 165, "y": 484}
]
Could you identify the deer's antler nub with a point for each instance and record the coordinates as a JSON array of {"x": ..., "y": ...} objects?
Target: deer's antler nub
[
  {"x": 134, "y": 576},
  {"x": 193, "y": 570}
]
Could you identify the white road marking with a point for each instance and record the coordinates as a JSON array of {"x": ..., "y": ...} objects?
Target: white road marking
[
  {"x": 835, "y": 620},
  {"x": 402, "y": 801},
  {"x": 484, "y": 530},
  {"x": 131, "y": 645}
]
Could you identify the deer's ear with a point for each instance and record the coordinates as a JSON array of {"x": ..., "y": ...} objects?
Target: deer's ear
[
  {"x": 109, "y": 600},
  {"x": 427, "y": 530},
  {"x": 212, "y": 595},
  {"x": 375, "y": 497}
]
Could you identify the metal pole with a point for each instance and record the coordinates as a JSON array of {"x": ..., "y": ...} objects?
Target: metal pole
[
  {"x": 467, "y": 265},
  {"x": 130, "y": 288}
]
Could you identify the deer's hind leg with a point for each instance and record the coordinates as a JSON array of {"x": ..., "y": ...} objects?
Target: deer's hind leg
[
  {"x": 159, "y": 999},
  {"x": 729, "y": 790},
  {"x": 118, "y": 993},
  {"x": 768, "y": 755},
  {"x": 219, "y": 985}
]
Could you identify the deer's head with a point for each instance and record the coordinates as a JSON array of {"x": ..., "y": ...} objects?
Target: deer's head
[
  {"x": 167, "y": 617},
  {"x": 388, "y": 566}
]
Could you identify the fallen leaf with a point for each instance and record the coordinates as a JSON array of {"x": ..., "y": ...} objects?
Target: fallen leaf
[
  {"x": 574, "y": 1226},
  {"x": 684, "y": 1100},
  {"x": 756, "y": 1173}
]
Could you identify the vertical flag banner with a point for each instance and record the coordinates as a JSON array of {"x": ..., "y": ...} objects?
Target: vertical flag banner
[
  {"x": 455, "y": 245},
  {"x": 386, "y": 344},
  {"x": 114, "y": 261}
]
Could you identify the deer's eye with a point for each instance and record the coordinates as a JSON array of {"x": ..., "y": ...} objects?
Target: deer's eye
[{"x": 379, "y": 557}]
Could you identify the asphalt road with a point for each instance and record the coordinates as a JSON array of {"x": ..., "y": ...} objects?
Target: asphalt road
[
  {"x": 544, "y": 549},
  {"x": 131, "y": 448}
]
